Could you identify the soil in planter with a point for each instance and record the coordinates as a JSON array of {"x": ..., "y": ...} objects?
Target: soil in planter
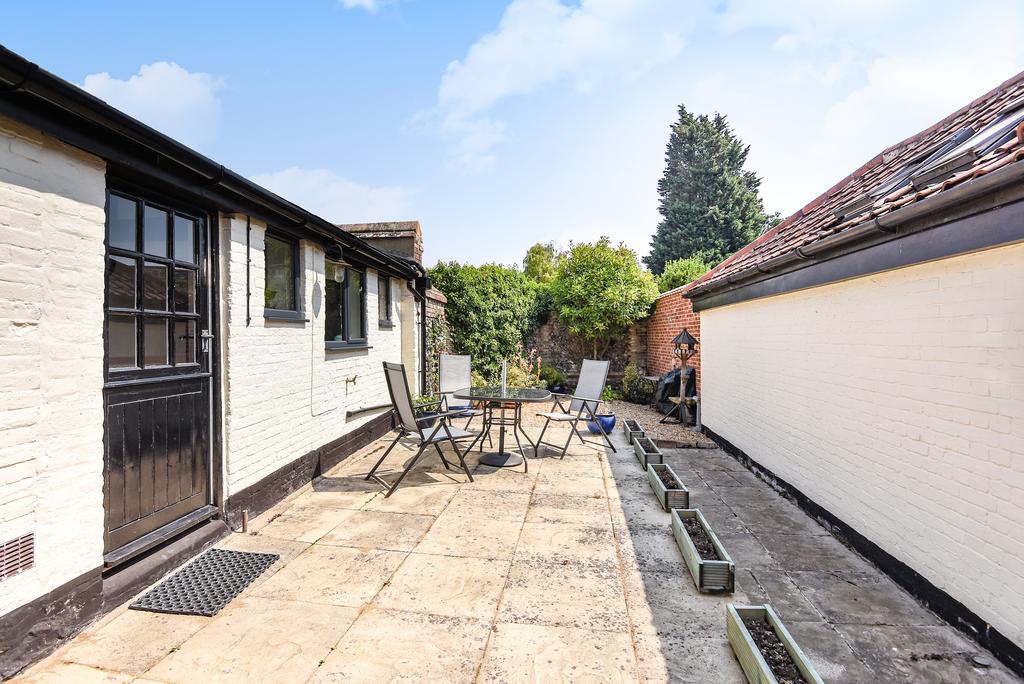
[
  {"x": 667, "y": 479},
  {"x": 700, "y": 539},
  {"x": 647, "y": 445},
  {"x": 774, "y": 652}
]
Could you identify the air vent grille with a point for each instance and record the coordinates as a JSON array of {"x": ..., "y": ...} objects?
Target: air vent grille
[{"x": 17, "y": 555}]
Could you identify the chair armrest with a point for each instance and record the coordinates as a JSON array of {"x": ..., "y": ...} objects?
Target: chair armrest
[{"x": 443, "y": 414}]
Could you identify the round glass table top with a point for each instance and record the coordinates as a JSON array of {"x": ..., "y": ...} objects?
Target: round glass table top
[{"x": 495, "y": 393}]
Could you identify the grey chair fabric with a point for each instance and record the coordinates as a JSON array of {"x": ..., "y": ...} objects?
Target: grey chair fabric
[
  {"x": 454, "y": 373},
  {"x": 433, "y": 434},
  {"x": 583, "y": 405}
]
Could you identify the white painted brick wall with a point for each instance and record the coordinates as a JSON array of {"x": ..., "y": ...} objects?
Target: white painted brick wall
[
  {"x": 285, "y": 394},
  {"x": 896, "y": 401},
  {"x": 51, "y": 357}
]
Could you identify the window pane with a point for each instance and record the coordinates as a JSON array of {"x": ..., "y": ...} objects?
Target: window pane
[
  {"x": 154, "y": 286},
  {"x": 279, "y": 292},
  {"x": 154, "y": 342},
  {"x": 121, "y": 283},
  {"x": 354, "y": 304},
  {"x": 154, "y": 231},
  {"x": 333, "y": 302},
  {"x": 121, "y": 223},
  {"x": 121, "y": 342},
  {"x": 384, "y": 298},
  {"x": 184, "y": 239},
  {"x": 184, "y": 341},
  {"x": 184, "y": 290}
]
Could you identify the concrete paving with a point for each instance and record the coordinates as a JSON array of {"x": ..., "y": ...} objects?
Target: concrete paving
[{"x": 568, "y": 572}]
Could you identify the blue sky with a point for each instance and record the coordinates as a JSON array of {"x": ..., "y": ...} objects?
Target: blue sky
[{"x": 499, "y": 124}]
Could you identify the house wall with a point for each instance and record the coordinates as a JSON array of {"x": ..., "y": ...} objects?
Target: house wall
[
  {"x": 896, "y": 402},
  {"x": 51, "y": 358},
  {"x": 672, "y": 313},
  {"x": 284, "y": 394}
]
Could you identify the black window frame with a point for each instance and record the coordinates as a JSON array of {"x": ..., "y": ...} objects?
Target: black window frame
[
  {"x": 295, "y": 313},
  {"x": 384, "y": 300},
  {"x": 138, "y": 312},
  {"x": 347, "y": 341}
]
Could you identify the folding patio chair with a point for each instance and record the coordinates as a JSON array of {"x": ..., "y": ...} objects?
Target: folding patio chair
[
  {"x": 409, "y": 427},
  {"x": 583, "y": 404},
  {"x": 455, "y": 373}
]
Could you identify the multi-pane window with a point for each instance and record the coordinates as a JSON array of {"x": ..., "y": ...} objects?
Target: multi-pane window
[
  {"x": 152, "y": 279},
  {"x": 345, "y": 305},
  {"x": 384, "y": 300},
  {"x": 281, "y": 287}
]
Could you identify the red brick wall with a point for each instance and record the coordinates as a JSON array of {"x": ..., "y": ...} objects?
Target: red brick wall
[{"x": 672, "y": 313}]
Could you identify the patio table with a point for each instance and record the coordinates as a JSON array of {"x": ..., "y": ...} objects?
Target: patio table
[{"x": 497, "y": 404}]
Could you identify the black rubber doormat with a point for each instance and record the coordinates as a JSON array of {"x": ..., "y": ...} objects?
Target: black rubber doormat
[{"x": 207, "y": 584}]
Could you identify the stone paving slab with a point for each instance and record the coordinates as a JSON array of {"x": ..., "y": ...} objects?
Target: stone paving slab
[{"x": 565, "y": 572}]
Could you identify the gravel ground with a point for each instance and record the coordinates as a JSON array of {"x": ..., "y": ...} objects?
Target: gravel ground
[{"x": 664, "y": 434}]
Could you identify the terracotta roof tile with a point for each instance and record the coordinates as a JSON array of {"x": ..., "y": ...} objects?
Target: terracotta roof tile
[{"x": 817, "y": 219}]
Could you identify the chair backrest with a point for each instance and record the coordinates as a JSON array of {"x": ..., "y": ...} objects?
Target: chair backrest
[
  {"x": 454, "y": 373},
  {"x": 593, "y": 376},
  {"x": 398, "y": 387}
]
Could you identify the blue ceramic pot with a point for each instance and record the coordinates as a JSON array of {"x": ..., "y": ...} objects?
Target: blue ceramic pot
[{"x": 607, "y": 421}]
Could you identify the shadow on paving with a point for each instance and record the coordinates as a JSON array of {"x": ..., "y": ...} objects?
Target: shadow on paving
[{"x": 854, "y": 623}]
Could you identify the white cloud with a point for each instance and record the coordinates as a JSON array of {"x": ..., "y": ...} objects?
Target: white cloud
[
  {"x": 171, "y": 99},
  {"x": 337, "y": 198},
  {"x": 542, "y": 43},
  {"x": 368, "y": 5}
]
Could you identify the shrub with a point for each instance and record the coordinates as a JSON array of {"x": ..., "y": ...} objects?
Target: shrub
[
  {"x": 635, "y": 387},
  {"x": 679, "y": 272},
  {"x": 600, "y": 290},
  {"x": 490, "y": 310},
  {"x": 551, "y": 376},
  {"x": 523, "y": 371}
]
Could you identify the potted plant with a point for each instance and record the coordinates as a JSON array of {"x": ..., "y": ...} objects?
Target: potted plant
[
  {"x": 554, "y": 379},
  {"x": 647, "y": 452},
  {"x": 766, "y": 650},
  {"x": 632, "y": 429},
  {"x": 710, "y": 565},
  {"x": 426, "y": 407},
  {"x": 667, "y": 486},
  {"x": 606, "y": 416}
]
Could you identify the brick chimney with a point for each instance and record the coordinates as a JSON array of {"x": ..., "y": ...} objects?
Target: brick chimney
[{"x": 403, "y": 238}]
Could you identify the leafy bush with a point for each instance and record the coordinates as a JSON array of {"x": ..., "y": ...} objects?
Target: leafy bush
[
  {"x": 610, "y": 394},
  {"x": 679, "y": 272},
  {"x": 551, "y": 376},
  {"x": 635, "y": 387},
  {"x": 600, "y": 290},
  {"x": 491, "y": 309},
  {"x": 523, "y": 371}
]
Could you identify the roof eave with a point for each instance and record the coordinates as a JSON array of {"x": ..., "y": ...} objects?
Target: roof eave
[{"x": 18, "y": 75}]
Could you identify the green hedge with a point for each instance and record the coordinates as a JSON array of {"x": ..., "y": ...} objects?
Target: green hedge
[{"x": 491, "y": 309}]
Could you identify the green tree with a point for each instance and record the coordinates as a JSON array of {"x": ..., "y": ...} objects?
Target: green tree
[
  {"x": 709, "y": 204},
  {"x": 600, "y": 290},
  {"x": 680, "y": 272},
  {"x": 541, "y": 262},
  {"x": 491, "y": 310}
]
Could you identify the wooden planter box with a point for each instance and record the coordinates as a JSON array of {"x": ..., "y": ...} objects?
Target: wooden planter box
[
  {"x": 751, "y": 660},
  {"x": 632, "y": 430},
  {"x": 713, "y": 576},
  {"x": 668, "y": 498},
  {"x": 647, "y": 452}
]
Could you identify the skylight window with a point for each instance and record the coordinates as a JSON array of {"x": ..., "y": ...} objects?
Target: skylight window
[{"x": 974, "y": 147}]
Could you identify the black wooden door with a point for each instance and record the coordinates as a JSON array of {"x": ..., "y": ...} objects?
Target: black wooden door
[{"x": 157, "y": 389}]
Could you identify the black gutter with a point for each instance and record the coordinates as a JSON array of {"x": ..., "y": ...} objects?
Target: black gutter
[
  {"x": 49, "y": 103},
  {"x": 419, "y": 288},
  {"x": 780, "y": 274}
]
